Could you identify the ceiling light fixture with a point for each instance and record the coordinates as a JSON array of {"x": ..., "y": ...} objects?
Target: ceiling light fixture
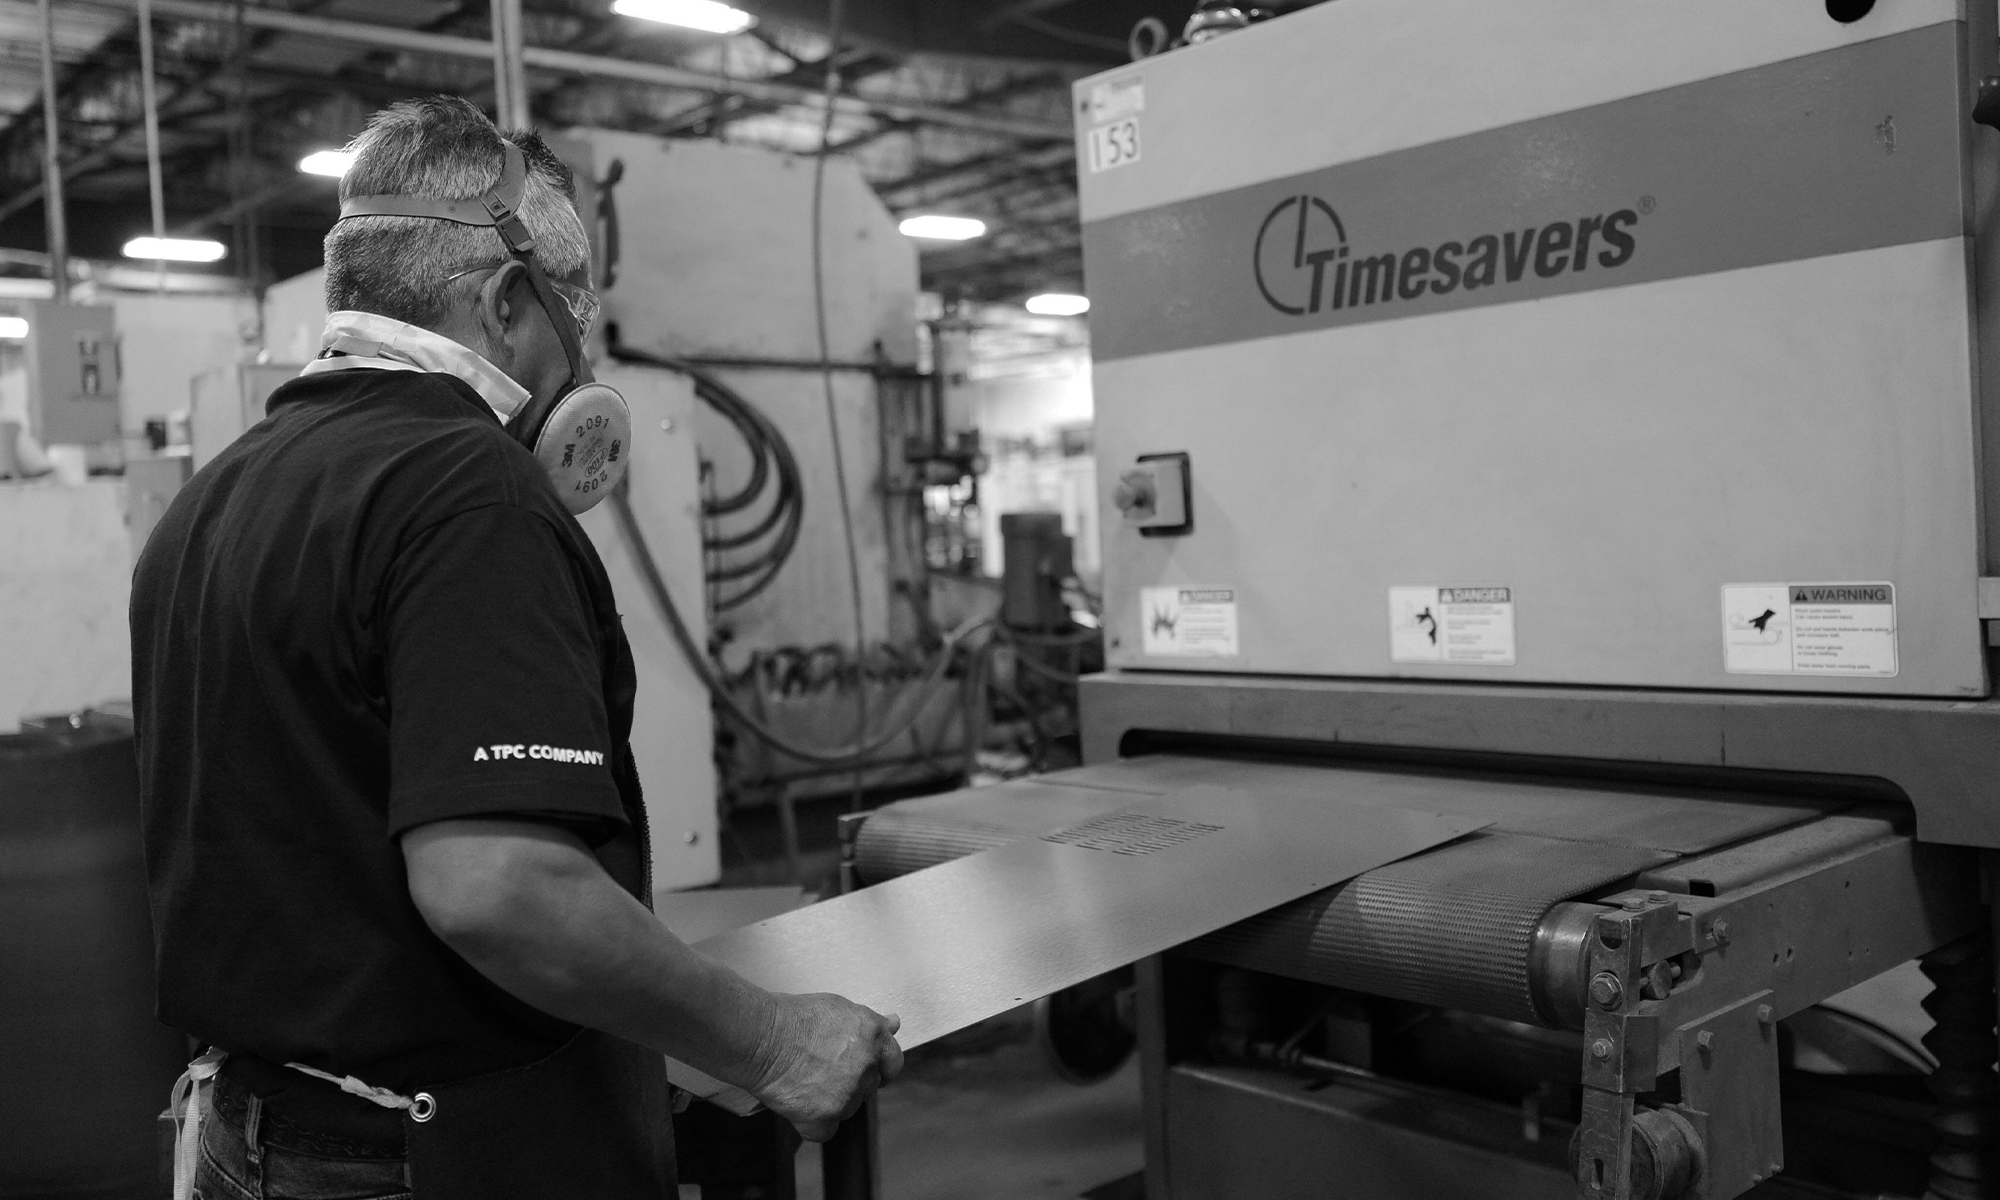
[
  {"x": 331, "y": 163},
  {"x": 1058, "y": 304},
  {"x": 704, "y": 15},
  {"x": 174, "y": 249},
  {"x": 942, "y": 228},
  {"x": 13, "y": 328}
]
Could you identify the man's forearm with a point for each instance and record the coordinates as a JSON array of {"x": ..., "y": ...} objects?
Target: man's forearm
[{"x": 530, "y": 908}]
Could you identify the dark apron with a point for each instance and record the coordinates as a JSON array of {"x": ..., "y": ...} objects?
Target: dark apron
[{"x": 591, "y": 1120}]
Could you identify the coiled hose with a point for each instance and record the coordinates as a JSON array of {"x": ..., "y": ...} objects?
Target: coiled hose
[
  {"x": 742, "y": 564},
  {"x": 771, "y": 456}
]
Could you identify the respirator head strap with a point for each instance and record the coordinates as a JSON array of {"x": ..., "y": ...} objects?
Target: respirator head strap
[{"x": 500, "y": 210}]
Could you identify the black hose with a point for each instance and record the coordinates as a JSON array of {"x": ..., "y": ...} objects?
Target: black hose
[
  {"x": 656, "y": 588},
  {"x": 1052, "y": 674},
  {"x": 767, "y": 543}
]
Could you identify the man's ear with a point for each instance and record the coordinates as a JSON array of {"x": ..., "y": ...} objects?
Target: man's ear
[{"x": 496, "y": 310}]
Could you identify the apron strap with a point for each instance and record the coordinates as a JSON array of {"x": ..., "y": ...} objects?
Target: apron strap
[{"x": 186, "y": 1103}]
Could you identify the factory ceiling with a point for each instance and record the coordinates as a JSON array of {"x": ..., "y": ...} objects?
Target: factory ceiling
[{"x": 959, "y": 106}]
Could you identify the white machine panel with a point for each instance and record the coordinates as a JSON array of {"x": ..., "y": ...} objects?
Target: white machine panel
[
  {"x": 1549, "y": 379},
  {"x": 672, "y": 728}
]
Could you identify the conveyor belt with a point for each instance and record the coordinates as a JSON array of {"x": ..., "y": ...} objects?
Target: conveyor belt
[
  {"x": 1453, "y": 927},
  {"x": 971, "y": 938}
]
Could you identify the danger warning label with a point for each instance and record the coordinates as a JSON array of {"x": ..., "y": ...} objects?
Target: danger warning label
[
  {"x": 1469, "y": 625},
  {"x": 1809, "y": 629},
  {"x": 1188, "y": 622}
]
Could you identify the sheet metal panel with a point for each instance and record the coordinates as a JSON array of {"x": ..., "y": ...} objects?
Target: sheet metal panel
[
  {"x": 1775, "y": 384},
  {"x": 949, "y": 946},
  {"x": 913, "y": 834},
  {"x": 1653, "y": 819}
]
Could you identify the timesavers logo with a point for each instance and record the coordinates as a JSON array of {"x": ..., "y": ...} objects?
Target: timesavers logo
[{"x": 1305, "y": 264}]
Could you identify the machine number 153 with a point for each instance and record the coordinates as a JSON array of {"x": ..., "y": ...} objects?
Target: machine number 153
[{"x": 1114, "y": 145}]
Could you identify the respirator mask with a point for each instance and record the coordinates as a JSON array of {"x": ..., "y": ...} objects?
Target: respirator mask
[{"x": 579, "y": 435}]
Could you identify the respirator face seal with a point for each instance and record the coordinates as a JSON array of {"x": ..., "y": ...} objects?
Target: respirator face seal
[{"x": 582, "y": 435}]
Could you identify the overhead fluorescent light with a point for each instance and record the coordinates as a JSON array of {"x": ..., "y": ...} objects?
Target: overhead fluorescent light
[
  {"x": 943, "y": 229},
  {"x": 705, "y": 15},
  {"x": 174, "y": 249},
  {"x": 1058, "y": 304},
  {"x": 331, "y": 163},
  {"x": 13, "y": 328}
]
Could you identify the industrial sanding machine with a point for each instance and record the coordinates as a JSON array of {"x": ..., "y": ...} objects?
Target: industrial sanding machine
[{"x": 1566, "y": 418}]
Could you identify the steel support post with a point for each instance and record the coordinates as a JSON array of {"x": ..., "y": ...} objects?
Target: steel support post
[
  {"x": 510, "y": 80},
  {"x": 52, "y": 184},
  {"x": 851, "y": 1161}
]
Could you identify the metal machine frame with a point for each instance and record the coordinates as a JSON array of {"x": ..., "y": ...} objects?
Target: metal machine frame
[
  {"x": 1323, "y": 475},
  {"x": 1683, "y": 986}
]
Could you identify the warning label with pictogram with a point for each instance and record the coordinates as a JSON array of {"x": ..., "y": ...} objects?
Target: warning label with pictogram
[
  {"x": 1188, "y": 622},
  {"x": 1472, "y": 626},
  {"x": 1809, "y": 629}
]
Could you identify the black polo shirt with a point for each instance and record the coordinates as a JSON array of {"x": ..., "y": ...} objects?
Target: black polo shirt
[{"x": 370, "y": 612}]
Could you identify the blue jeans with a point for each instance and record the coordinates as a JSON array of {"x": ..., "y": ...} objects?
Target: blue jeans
[{"x": 244, "y": 1157}]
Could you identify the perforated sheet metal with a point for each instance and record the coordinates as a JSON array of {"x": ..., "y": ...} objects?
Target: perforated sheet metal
[
  {"x": 1453, "y": 927},
  {"x": 1684, "y": 822},
  {"x": 914, "y": 834},
  {"x": 971, "y": 938}
]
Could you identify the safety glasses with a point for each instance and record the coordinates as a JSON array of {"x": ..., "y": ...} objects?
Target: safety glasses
[
  {"x": 583, "y": 306},
  {"x": 582, "y": 303}
]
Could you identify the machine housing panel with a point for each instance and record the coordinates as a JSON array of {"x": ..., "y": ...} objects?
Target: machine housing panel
[{"x": 1722, "y": 334}]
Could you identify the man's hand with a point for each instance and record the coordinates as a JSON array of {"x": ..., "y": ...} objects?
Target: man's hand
[
  {"x": 529, "y": 907},
  {"x": 823, "y": 1060}
]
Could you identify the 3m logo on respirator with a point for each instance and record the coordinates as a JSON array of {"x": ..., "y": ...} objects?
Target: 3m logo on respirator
[
  {"x": 1305, "y": 264},
  {"x": 503, "y": 752}
]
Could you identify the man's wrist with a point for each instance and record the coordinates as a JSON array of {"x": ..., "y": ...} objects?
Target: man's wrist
[{"x": 767, "y": 1058}]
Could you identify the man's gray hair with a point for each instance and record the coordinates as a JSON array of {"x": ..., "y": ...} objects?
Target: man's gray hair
[{"x": 441, "y": 148}]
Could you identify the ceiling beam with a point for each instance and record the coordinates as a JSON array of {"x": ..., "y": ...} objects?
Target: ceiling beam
[
  {"x": 390, "y": 37},
  {"x": 992, "y": 190},
  {"x": 971, "y": 102},
  {"x": 103, "y": 153},
  {"x": 235, "y": 209},
  {"x": 812, "y": 74},
  {"x": 1012, "y": 164}
]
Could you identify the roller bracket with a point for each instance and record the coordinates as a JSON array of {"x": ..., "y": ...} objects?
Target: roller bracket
[
  {"x": 1630, "y": 1042},
  {"x": 1622, "y": 1041},
  {"x": 1729, "y": 1083}
]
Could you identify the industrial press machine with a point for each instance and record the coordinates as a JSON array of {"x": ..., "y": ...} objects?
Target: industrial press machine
[{"x": 1570, "y": 415}]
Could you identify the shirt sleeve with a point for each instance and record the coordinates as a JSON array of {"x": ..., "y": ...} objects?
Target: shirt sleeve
[{"x": 494, "y": 673}]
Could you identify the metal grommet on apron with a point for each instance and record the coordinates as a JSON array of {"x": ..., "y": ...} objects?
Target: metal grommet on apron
[
  {"x": 423, "y": 1106},
  {"x": 592, "y": 1119}
]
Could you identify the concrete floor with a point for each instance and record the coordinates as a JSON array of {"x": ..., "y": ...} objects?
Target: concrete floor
[{"x": 980, "y": 1116}]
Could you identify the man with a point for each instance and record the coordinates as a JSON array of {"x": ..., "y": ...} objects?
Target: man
[{"x": 430, "y": 962}]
